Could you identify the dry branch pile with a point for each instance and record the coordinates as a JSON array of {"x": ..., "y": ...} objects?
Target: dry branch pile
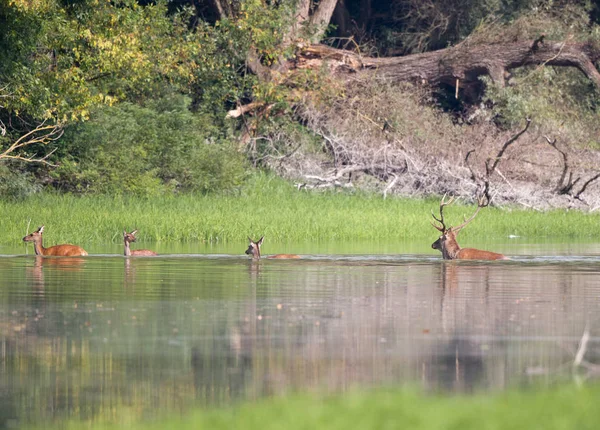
[{"x": 377, "y": 141}]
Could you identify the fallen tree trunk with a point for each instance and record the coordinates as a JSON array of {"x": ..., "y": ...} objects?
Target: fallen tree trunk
[{"x": 459, "y": 65}]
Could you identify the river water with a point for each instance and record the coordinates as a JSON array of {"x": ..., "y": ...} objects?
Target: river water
[{"x": 105, "y": 337}]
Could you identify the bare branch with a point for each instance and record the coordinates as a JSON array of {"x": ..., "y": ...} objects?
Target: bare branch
[
  {"x": 561, "y": 187},
  {"x": 42, "y": 134},
  {"x": 490, "y": 168},
  {"x": 567, "y": 188},
  {"x": 241, "y": 110},
  {"x": 473, "y": 175},
  {"x": 390, "y": 185},
  {"x": 582, "y": 347},
  {"x": 585, "y": 185}
]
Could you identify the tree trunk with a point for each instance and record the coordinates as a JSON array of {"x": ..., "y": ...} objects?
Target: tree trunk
[
  {"x": 321, "y": 17},
  {"x": 462, "y": 64}
]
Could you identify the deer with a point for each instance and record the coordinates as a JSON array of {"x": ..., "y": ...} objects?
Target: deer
[
  {"x": 254, "y": 251},
  {"x": 447, "y": 243},
  {"x": 54, "y": 251},
  {"x": 130, "y": 237}
]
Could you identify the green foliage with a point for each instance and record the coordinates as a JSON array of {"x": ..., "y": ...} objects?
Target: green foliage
[
  {"x": 147, "y": 151},
  {"x": 555, "y": 98},
  {"x": 420, "y": 26},
  {"x": 15, "y": 184},
  {"x": 222, "y": 79},
  {"x": 63, "y": 58}
]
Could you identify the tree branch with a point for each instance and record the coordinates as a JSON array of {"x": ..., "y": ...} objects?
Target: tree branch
[
  {"x": 43, "y": 134},
  {"x": 490, "y": 169}
]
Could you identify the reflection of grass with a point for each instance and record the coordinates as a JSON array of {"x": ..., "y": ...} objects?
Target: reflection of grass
[
  {"x": 267, "y": 206},
  {"x": 565, "y": 408}
]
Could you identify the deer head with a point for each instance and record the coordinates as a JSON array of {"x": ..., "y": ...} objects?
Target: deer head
[
  {"x": 254, "y": 247},
  {"x": 35, "y": 236},
  {"x": 129, "y": 237},
  {"x": 447, "y": 243}
]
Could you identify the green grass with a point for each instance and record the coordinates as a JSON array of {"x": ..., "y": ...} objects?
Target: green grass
[
  {"x": 559, "y": 408},
  {"x": 270, "y": 207}
]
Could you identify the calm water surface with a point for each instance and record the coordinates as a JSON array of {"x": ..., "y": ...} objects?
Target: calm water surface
[{"x": 104, "y": 337}]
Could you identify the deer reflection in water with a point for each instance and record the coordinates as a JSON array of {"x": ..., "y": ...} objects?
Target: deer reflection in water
[
  {"x": 458, "y": 364},
  {"x": 63, "y": 264}
]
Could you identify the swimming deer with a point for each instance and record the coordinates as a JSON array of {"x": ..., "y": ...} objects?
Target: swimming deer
[
  {"x": 254, "y": 250},
  {"x": 130, "y": 237},
  {"x": 447, "y": 244},
  {"x": 56, "y": 250}
]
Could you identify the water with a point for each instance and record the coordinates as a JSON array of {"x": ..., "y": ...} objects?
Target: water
[{"x": 104, "y": 337}]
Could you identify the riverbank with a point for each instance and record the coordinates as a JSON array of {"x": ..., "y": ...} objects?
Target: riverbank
[{"x": 271, "y": 207}]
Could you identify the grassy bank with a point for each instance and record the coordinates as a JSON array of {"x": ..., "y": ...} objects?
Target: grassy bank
[
  {"x": 564, "y": 408},
  {"x": 268, "y": 206}
]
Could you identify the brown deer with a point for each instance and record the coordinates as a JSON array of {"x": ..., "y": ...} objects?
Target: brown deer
[
  {"x": 447, "y": 244},
  {"x": 130, "y": 237},
  {"x": 56, "y": 250},
  {"x": 254, "y": 250}
]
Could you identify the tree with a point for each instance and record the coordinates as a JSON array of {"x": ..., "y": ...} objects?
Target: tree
[
  {"x": 303, "y": 26},
  {"x": 59, "y": 60}
]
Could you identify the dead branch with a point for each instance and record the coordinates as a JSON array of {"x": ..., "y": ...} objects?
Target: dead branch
[
  {"x": 579, "y": 360},
  {"x": 390, "y": 185},
  {"x": 241, "y": 110},
  {"x": 491, "y": 168},
  {"x": 585, "y": 185},
  {"x": 561, "y": 187},
  {"x": 568, "y": 187},
  {"x": 42, "y": 134},
  {"x": 491, "y": 164}
]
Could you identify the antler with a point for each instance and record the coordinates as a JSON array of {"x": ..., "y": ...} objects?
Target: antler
[
  {"x": 482, "y": 202},
  {"x": 441, "y": 218}
]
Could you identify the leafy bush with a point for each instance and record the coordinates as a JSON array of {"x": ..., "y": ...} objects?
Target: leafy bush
[
  {"x": 16, "y": 185},
  {"x": 150, "y": 150}
]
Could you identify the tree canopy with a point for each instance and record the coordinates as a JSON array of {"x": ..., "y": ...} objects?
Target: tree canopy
[{"x": 262, "y": 75}]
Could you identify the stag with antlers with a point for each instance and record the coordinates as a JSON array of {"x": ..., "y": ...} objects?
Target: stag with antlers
[{"x": 447, "y": 243}]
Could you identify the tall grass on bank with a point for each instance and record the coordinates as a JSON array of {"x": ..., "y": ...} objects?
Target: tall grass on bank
[
  {"x": 563, "y": 408},
  {"x": 270, "y": 207}
]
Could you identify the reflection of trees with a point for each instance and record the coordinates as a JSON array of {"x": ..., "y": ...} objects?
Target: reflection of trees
[{"x": 211, "y": 332}]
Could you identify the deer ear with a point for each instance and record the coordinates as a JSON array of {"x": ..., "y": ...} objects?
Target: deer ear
[
  {"x": 41, "y": 229},
  {"x": 134, "y": 232},
  {"x": 260, "y": 241},
  {"x": 250, "y": 239}
]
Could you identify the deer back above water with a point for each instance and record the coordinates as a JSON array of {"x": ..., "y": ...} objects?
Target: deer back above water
[
  {"x": 54, "y": 251},
  {"x": 254, "y": 251},
  {"x": 130, "y": 237},
  {"x": 447, "y": 243}
]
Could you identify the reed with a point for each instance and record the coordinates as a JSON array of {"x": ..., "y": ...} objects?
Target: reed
[{"x": 271, "y": 207}]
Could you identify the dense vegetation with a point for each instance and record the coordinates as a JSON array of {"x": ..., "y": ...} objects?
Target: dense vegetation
[
  {"x": 132, "y": 97},
  {"x": 558, "y": 408}
]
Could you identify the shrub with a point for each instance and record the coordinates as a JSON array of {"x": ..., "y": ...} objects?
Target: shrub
[
  {"x": 15, "y": 184},
  {"x": 161, "y": 147}
]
